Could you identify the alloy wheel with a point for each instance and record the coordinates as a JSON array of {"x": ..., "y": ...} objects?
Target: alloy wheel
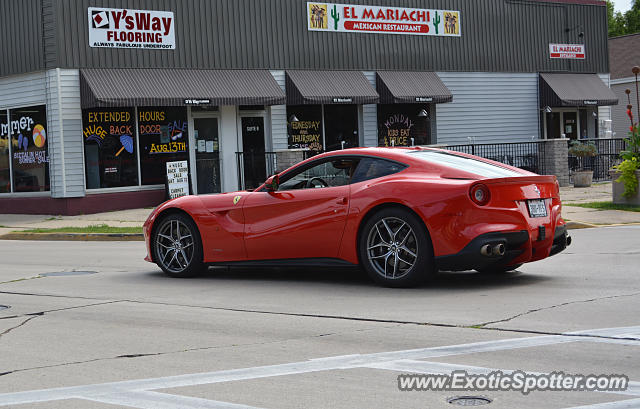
[
  {"x": 392, "y": 248},
  {"x": 174, "y": 246}
]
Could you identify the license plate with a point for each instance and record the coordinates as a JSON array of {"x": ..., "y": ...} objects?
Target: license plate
[{"x": 537, "y": 208}]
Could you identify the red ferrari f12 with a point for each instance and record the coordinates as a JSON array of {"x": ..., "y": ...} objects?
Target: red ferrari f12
[{"x": 400, "y": 213}]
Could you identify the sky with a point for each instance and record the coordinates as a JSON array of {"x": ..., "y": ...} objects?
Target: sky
[{"x": 622, "y": 5}]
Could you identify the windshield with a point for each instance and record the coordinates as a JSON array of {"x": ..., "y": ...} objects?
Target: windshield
[{"x": 465, "y": 164}]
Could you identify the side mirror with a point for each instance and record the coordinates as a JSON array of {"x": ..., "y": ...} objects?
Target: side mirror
[{"x": 272, "y": 183}]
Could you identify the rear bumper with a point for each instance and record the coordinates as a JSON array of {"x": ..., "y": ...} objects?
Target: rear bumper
[
  {"x": 519, "y": 248},
  {"x": 561, "y": 240}
]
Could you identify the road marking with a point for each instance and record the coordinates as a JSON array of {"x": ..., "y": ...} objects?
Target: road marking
[
  {"x": 136, "y": 393},
  {"x": 157, "y": 400}
]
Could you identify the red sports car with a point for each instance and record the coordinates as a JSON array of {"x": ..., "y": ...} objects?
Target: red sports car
[{"x": 401, "y": 213}]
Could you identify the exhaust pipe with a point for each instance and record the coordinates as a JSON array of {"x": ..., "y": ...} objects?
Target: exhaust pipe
[
  {"x": 568, "y": 240},
  {"x": 498, "y": 250},
  {"x": 489, "y": 250}
]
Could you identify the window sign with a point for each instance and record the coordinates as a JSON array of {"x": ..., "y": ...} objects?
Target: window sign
[
  {"x": 163, "y": 138},
  {"x": 382, "y": 19},
  {"x": 110, "y": 147},
  {"x": 304, "y": 127},
  {"x": 126, "y": 28},
  {"x": 177, "y": 179},
  {"x": 404, "y": 125},
  {"x": 5, "y": 179},
  {"x": 27, "y": 131}
]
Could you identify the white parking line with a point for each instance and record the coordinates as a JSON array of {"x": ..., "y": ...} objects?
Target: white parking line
[
  {"x": 157, "y": 400},
  {"x": 136, "y": 393}
]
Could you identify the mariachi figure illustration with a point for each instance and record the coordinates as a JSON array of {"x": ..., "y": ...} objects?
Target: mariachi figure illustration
[
  {"x": 450, "y": 23},
  {"x": 318, "y": 15}
]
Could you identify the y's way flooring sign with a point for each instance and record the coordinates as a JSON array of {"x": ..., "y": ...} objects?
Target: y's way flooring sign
[
  {"x": 127, "y": 28},
  {"x": 382, "y": 20}
]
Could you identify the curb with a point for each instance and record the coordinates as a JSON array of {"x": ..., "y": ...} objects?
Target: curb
[
  {"x": 74, "y": 236},
  {"x": 580, "y": 225}
]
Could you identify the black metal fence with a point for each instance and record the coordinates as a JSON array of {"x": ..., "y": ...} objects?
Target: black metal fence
[
  {"x": 254, "y": 167},
  {"x": 607, "y": 157},
  {"x": 525, "y": 155}
]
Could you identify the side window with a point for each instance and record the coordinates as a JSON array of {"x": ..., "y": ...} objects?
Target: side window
[
  {"x": 330, "y": 173},
  {"x": 372, "y": 168}
]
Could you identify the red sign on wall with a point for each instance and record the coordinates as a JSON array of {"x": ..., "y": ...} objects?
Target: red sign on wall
[{"x": 567, "y": 51}]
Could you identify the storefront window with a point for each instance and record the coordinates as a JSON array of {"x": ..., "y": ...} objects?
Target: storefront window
[
  {"x": 29, "y": 148},
  {"x": 163, "y": 138},
  {"x": 110, "y": 147},
  {"x": 5, "y": 181},
  {"x": 341, "y": 126},
  {"x": 404, "y": 124},
  {"x": 304, "y": 127}
]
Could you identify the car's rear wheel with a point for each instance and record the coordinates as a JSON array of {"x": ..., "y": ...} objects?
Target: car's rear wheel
[
  {"x": 499, "y": 269},
  {"x": 395, "y": 248},
  {"x": 177, "y": 246}
]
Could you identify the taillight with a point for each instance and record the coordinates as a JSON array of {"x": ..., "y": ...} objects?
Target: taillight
[{"x": 480, "y": 194}]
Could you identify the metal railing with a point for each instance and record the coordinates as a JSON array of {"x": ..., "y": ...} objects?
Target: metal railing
[
  {"x": 254, "y": 167},
  {"x": 525, "y": 155},
  {"x": 607, "y": 157}
]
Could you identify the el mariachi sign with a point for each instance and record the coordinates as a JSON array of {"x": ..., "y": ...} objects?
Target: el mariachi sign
[
  {"x": 567, "y": 51},
  {"x": 126, "y": 28},
  {"x": 382, "y": 20}
]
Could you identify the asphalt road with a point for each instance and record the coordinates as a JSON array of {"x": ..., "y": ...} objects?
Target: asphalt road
[{"x": 127, "y": 336}]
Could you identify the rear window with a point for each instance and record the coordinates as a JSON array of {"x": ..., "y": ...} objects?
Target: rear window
[
  {"x": 371, "y": 168},
  {"x": 465, "y": 164}
]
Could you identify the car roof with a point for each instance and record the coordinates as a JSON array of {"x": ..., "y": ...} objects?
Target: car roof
[{"x": 401, "y": 154}]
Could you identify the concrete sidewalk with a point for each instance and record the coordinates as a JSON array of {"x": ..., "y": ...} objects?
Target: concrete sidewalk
[
  {"x": 584, "y": 217},
  {"x": 578, "y": 216},
  {"x": 121, "y": 218}
]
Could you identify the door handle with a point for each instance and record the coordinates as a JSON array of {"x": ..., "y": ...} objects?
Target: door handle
[{"x": 342, "y": 201}]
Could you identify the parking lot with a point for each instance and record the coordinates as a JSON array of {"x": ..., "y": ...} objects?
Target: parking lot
[{"x": 107, "y": 329}]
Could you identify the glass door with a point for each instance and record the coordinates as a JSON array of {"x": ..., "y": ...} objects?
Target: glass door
[
  {"x": 570, "y": 125},
  {"x": 553, "y": 125},
  {"x": 207, "y": 155},
  {"x": 253, "y": 158},
  {"x": 341, "y": 126}
]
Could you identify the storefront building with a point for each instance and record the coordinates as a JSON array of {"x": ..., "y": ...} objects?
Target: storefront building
[
  {"x": 624, "y": 54},
  {"x": 95, "y": 100}
]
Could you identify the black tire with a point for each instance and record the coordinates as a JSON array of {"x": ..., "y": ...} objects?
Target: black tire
[
  {"x": 396, "y": 256},
  {"x": 177, "y": 246},
  {"x": 498, "y": 269}
]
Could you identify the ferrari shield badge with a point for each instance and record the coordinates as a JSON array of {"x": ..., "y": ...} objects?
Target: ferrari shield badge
[{"x": 236, "y": 199}]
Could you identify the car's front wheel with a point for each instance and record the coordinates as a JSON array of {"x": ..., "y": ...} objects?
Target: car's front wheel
[
  {"x": 177, "y": 246},
  {"x": 395, "y": 248}
]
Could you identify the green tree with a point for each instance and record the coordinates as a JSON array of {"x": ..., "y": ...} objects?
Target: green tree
[
  {"x": 632, "y": 18},
  {"x": 617, "y": 22},
  {"x": 621, "y": 24}
]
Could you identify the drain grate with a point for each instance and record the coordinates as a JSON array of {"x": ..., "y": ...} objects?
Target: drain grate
[
  {"x": 4, "y": 307},
  {"x": 67, "y": 273},
  {"x": 469, "y": 400}
]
